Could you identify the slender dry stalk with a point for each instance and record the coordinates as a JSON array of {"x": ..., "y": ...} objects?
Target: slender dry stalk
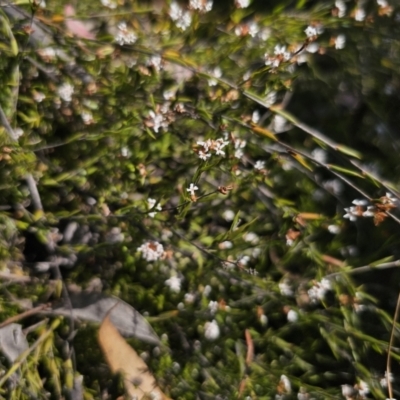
[{"x": 388, "y": 363}]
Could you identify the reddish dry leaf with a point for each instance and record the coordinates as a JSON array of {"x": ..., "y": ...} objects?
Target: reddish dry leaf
[
  {"x": 121, "y": 357},
  {"x": 250, "y": 347}
]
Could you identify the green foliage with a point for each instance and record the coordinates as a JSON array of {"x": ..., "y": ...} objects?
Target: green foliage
[{"x": 252, "y": 137}]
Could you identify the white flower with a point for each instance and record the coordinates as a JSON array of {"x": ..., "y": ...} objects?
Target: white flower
[
  {"x": 360, "y": 14},
  {"x": 125, "y": 152},
  {"x": 239, "y": 146},
  {"x": 311, "y": 32},
  {"x": 363, "y": 388},
  {"x": 340, "y": 42},
  {"x": 319, "y": 155},
  {"x": 243, "y": 260},
  {"x": 253, "y": 29},
  {"x": 251, "y": 237},
  {"x": 65, "y": 91},
  {"x": 341, "y": 6},
  {"x": 125, "y": 36},
  {"x": 334, "y": 229},
  {"x": 157, "y": 121},
  {"x": 286, "y": 383},
  {"x": 38, "y": 96},
  {"x": 259, "y": 165},
  {"x": 48, "y": 53},
  {"x": 285, "y": 288},
  {"x": 201, "y": 5},
  {"x": 211, "y": 330},
  {"x": 192, "y": 188},
  {"x": 217, "y": 73},
  {"x": 319, "y": 290},
  {"x": 270, "y": 99},
  {"x": 213, "y": 306},
  {"x": 18, "y": 132},
  {"x": 151, "y": 203},
  {"x": 207, "y": 290},
  {"x": 219, "y": 145},
  {"x": 203, "y": 155},
  {"x": 155, "y": 62},
  {"x": 87, "y": 117},
  {"x": 292, "y": 316},
  {"x": 109, "y": 3},
  {"x": 312, "y": 47},
  {"x": 228, "y": 215},
  {"x": 242, "y": 3},
  {"x": 189, "y": 298},
  {"x": 151, "y": 251},
  {"x": 225, "y": 245},
  {"x": 255, "y": 117},
  {"x": 384, "y": 381},
  {"x": 263, "y": 320},
  {"x": 174, "y": 283},
  {"x": 182, "y": 18},
  {"x": 348, "y": 391},
  {"x": 279, "y": 124}
]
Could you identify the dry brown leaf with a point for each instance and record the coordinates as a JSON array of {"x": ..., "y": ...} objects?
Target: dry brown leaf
[{"x": 121, "y": 357}]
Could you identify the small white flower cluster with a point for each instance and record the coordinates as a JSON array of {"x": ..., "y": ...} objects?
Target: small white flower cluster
[
  {"x": 240, "y": 144},
  {"x": 201, "y": 5},
  {"x": 242, "y": 3},
  {"x": 377, "y": 211},
  {"x": 65, "y": 91},
  {"x": 152, "y": 251},
  {"x": 211, "y": 330},
  {"x": 109, "y": 3},
  {"x": 182, "y": 18},
  {"x": 205, "y": 148},
  {"x": 319, "y": 290},
  {"x": 174, "y": 283},
  {"x": 151, "y": 203},
  {"x": 125, "y": 35},
  {"x": 359, "y": 391},
  {"x": 357, "y": 210},
  {"x": 160, "y": 118},
  {"x": 280, "y": 55},
  {"x": 251, "y": 28}
]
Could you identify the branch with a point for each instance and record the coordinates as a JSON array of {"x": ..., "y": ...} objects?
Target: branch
[{"x": 365, "y": 268}]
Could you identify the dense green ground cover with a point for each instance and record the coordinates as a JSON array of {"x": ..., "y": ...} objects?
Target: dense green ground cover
[{"x": 230, "y": 170}]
